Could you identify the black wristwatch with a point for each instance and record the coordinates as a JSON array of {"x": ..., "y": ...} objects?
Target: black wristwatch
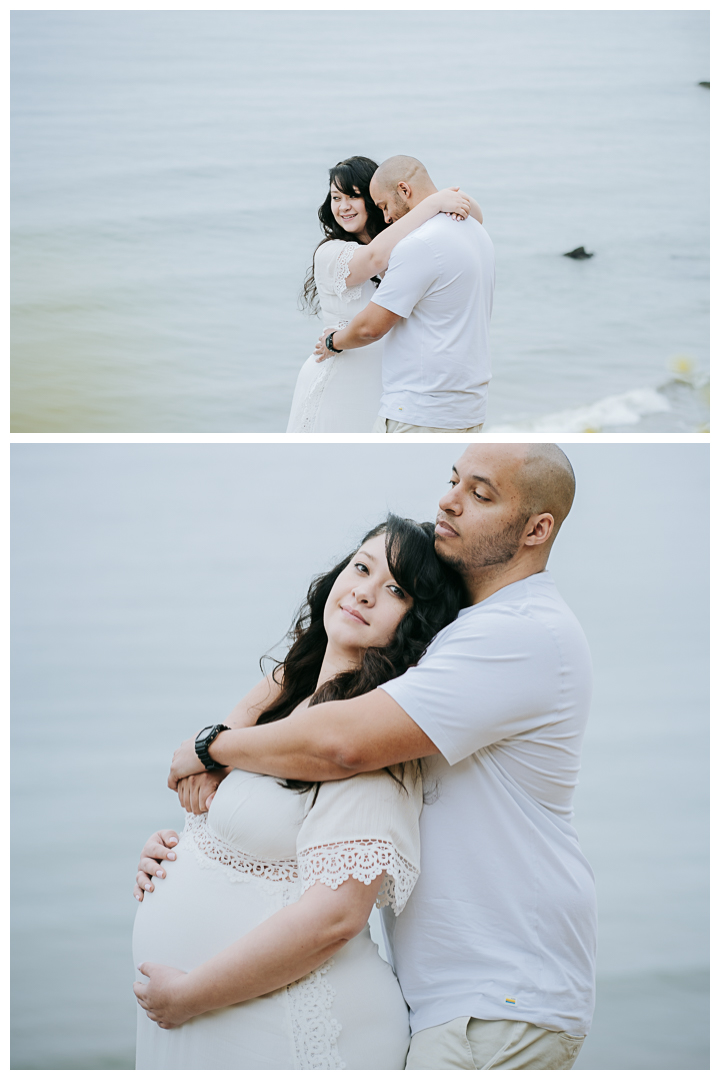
[
  {"x": 329, "y": 342},
  {"x": 203, "y": 740}
]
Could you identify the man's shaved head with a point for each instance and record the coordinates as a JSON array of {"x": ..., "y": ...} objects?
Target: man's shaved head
[
  {"x": 498, "y": 520},
  {"x": 399, "y": 184},
  {"x": 540, "y": 473},
  {"x": 546, "y": 483},
  {"x": 399, "y": 168}
]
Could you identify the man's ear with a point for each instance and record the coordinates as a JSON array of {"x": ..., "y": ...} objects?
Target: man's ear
[
  {"x": 539, "y": 529},
  {"x": 404, "y": 190}
]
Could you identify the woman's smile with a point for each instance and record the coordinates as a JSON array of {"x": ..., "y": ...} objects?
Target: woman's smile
[
  {"x": 353, "y": 614},
  {"x": 349, "y": 211},
  {"x": 366, "y": 604}
]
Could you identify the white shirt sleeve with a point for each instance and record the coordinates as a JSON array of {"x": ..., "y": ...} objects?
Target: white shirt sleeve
[
  {"x": 360, "y": 828},
  {"x": 480, "y": 682},
  {"x": 411, "y": 272},
  {"x": 332, "y": 266}
]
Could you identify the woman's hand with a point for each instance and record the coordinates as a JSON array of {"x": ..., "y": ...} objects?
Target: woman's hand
[
  {"x": 197, "y": 792},
  {"x": 185, "y": 762},
  {"x": 452, "y": 201},
  {"x": 157, "y": 848},
  {"x": 162, "y": 996}
]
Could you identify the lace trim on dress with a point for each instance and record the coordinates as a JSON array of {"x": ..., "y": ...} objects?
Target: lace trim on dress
[
  {"x": 331, "y": 864},
  {"x": 342, "y": 270},
  {"x": 236, "y": 864},
  {"x": 315, "y": 1030},
  {"x": 311, "y": 404}
]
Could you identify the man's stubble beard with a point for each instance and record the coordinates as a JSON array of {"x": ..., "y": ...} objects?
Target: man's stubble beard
[
  {"x": 495, "y": 550},
  {"x": 400, "y": 207}
]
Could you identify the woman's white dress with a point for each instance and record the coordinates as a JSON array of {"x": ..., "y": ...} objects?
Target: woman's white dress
[
  {"x": 343, "y": 392},
  {"x": 257, "y": 850}
]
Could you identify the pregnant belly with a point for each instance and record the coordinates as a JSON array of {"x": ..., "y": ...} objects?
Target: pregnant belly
[
  {"x": 198, "y": 910},
  {"x": 350, "y": 1011}
]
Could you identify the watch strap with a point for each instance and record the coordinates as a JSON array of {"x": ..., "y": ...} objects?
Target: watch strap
[
  {"x": 202, "y": 742},
  {"x": 329, "y": 344}
]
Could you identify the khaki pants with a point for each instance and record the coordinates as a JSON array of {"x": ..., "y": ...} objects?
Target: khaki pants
[
  {"x": 467, "y": 1043},
  {"x": 387, "y": 426}
]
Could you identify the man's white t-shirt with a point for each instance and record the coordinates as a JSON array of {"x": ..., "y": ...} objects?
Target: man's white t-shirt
[
  {"x": 502, "y": 922},
  {"x": 436, "y": 361}
]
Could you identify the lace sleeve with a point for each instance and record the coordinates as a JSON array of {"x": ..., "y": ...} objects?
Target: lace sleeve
[
  {"x": 332, "y": 864},
  {"x": 362, "y": 828},
  {"x": 342, "y": 269}
]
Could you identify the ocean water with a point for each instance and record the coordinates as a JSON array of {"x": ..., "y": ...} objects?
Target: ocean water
[
  {"x": 167, "y": 168},
  {"x": 147, "y": 581}
]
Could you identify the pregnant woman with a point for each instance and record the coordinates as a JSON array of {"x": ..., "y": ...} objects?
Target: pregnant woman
[
  {"x": 254, "y": 950},
  {"x": 343, "y": 393}
]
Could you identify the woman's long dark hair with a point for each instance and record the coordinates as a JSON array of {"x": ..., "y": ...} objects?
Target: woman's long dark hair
[
  {"x": 438, "y": 594},
  {"x": 352, "y": 177}
]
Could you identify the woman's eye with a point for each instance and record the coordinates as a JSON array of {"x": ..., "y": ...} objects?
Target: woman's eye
[
  {"x": 397, "y": 591},
  {"x": 361, "y": 567}
]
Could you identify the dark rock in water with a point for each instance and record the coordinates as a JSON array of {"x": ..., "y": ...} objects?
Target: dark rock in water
[
  {"x": 578, "y": 253},
  {"x": 704, "y": 84}
]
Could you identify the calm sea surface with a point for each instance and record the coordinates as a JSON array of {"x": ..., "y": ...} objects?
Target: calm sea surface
[
  {"x": 147, "y": 581},
  {"x": 167, "y": 168}
]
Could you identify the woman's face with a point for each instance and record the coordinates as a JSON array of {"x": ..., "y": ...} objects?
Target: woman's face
[
  {"x": 350, "y": 213},
  {"x": 366, "y": 604}
]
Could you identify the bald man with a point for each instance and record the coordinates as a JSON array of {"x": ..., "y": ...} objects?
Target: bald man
[
  {"x": 495, "y": 950},
  {"x": 433, "y": 310}
]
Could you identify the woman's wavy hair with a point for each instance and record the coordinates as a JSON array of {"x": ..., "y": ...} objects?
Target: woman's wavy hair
[
  {"x": 352, "y": 177},
  {"x": 438, "y": 594}
]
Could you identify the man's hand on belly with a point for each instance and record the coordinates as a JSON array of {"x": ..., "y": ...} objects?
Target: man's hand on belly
[{"x": 370, "y": 325}]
